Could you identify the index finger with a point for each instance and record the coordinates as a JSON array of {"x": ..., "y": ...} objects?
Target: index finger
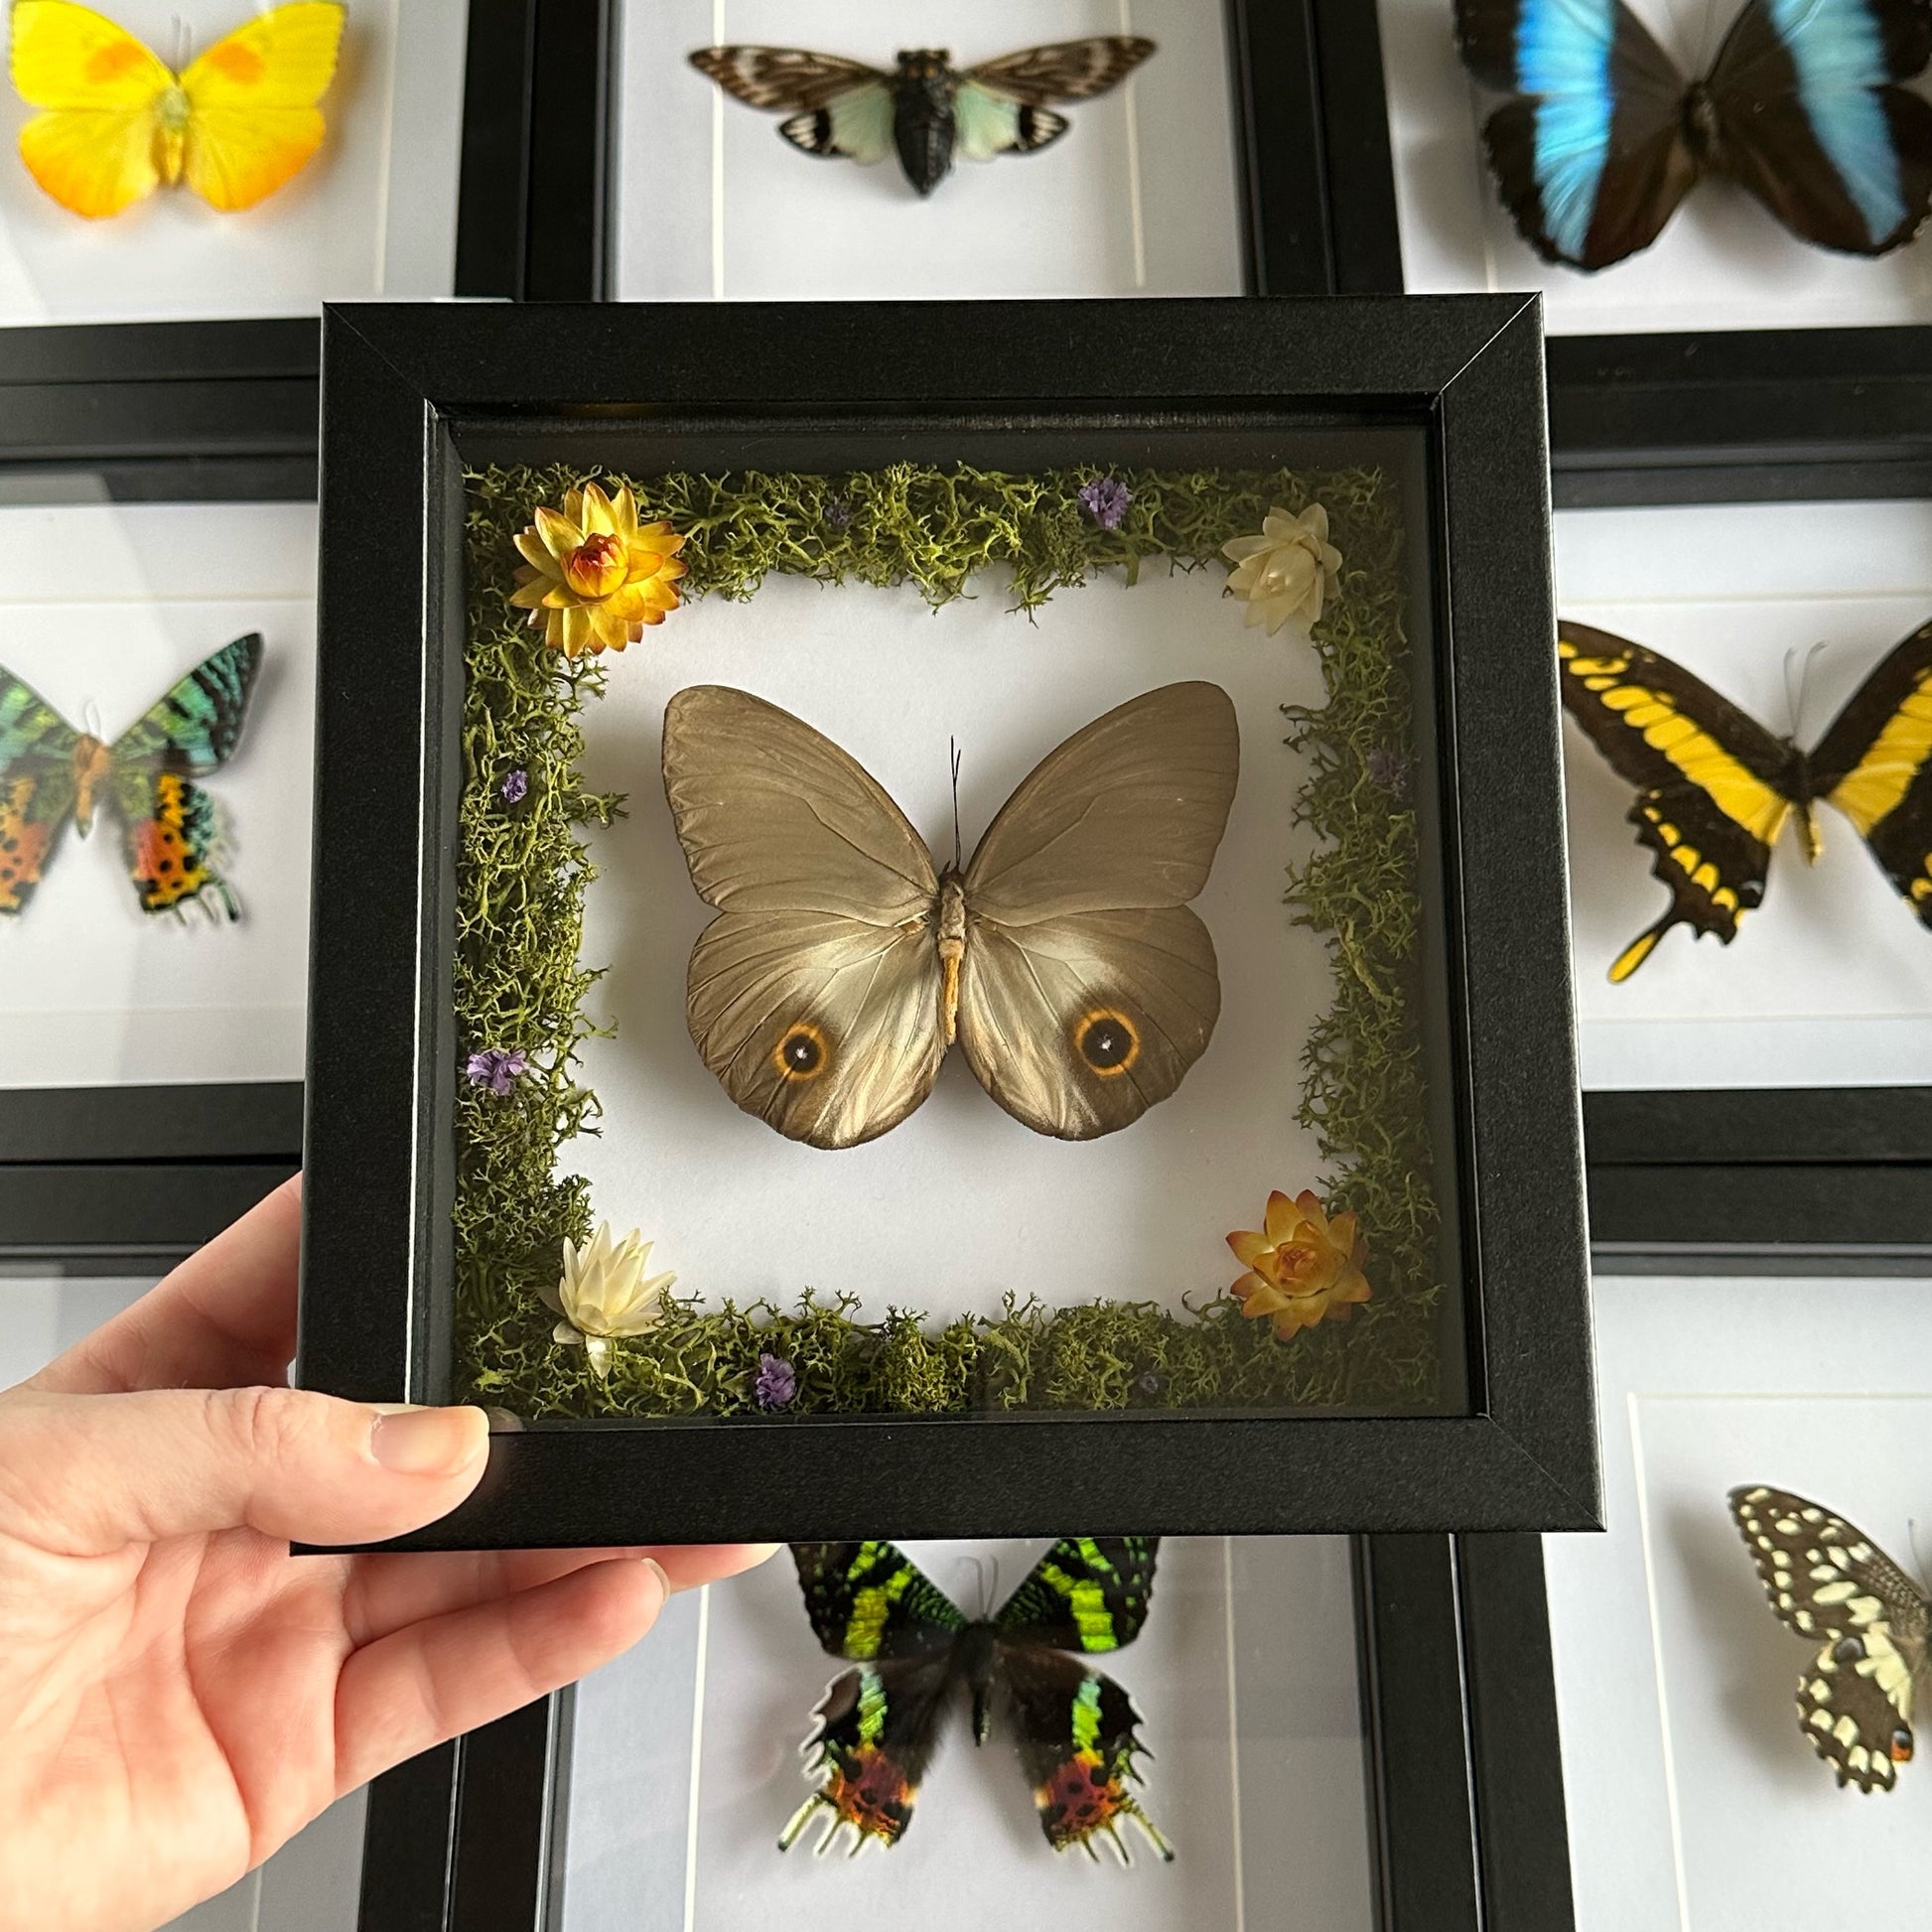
[{"x": 223, "y": 1319}]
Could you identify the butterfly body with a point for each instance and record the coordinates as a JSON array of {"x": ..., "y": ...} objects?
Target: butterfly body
[
  {"x": 51, "y": 774},
  {"x": 1826, "y": 1579},
  {"x": 117, "y": 122},
  {"x": 923, "y": 109},
  {"x": 1716, "y": 789},
  {"x": 913, "y": 1653},
  {"x": 1602, "y": 136},
  {"x": 843, "y": 964}
]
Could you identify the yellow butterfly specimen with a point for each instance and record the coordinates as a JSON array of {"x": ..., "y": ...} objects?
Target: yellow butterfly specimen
[{"x": 234, "y": 125}]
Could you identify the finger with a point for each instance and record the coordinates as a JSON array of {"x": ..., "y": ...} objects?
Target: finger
[
  {"x": 91, "y": 1473},
  {"x": 429, "y": 1681},
  {"x": 385, "y": 1592},
  {"x": 225, "y": 1319}
]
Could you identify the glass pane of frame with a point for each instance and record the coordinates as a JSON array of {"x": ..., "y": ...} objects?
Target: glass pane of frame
[
  {"x": 684, "y": 1768},
  {"x": 1722, "y": 261},
  {"x": 1138, "y": 197},
  {"x": 169, "y": 945},
  {"x": 1219, "y": 1172},
  {"x": 371, "y": 214},
  {"x": 1693, "y": 1797},
  {"x": 1783, "y": 609}
]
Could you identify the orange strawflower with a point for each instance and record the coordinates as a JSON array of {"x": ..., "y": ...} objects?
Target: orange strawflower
[
  {"x": 593, "y": 577},
  {"x": 1304, "y": 1267}
]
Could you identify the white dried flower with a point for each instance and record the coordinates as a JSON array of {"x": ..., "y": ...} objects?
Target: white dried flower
[
  {"x": 604, "y": 1294},
  {"x": 1286, "y": 571}
]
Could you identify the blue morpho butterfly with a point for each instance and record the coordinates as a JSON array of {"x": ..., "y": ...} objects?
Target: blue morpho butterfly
[
  {"x": 926, "y": 108},
  {"x": 1604, "y": 137}
]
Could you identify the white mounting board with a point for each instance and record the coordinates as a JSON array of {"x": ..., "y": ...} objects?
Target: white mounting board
[
  {"x": 1829, "y": 983},
  {"x": 959, "y": 1202},
  {"x": 1138, "y": 198},
  {"x": 685, "y": 1765},
  {"x": 102, "y": 608},
  {"x": 1722, "y": 262},
  {"x": 373, "y": 213},
  {"x": 1693, "y": 1802}
]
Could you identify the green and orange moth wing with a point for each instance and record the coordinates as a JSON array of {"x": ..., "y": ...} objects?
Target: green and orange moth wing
[
  {"x": 870, "y": 1600},
  {"x": 1087, "y": 1594},
  {"x": 1713, "y": 787},
  {"x": 37, "y": 788},
  {"x": 1074, "y": 1730},
  {"x": 1876, "y": 766},
  {"x": 169, "y": 832},
  {"x": 876, "y": 1727}
]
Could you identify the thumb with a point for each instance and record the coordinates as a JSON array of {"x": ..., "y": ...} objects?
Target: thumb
[{"x": 87, "y": 1475}]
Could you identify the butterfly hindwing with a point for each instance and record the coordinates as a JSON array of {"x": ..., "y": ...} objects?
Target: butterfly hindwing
[
  {"x": 1714, "y": 787},
  {"x": 1874, "y": 764},
  {"x": 1813, "y": 122},
  {"x": 1826, "y": 1581},
  {"x": 37, "y": 788}
]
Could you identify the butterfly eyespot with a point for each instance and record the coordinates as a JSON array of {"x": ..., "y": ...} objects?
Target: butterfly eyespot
[
  {"x": 1848, "y": 1650},
  {"x": 803, "y": 1053},
  {"x": 1901, "y": 1745},
  {"x": 1107, "y": 1042}
]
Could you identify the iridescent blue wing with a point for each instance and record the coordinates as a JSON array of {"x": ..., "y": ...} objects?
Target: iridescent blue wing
[
  {"x": 169, "y": 832},
  {"x": 1590, "y": 152},
  {"x": 1812, "y": 120}
]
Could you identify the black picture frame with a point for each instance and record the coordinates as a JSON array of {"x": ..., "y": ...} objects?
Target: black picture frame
[
  {"x": 412, "y": 394},
  {"x": 1312, "y": 160},
  {"x": 1462, "y": 1764},
  {"x": 1786, "y": 1180}
]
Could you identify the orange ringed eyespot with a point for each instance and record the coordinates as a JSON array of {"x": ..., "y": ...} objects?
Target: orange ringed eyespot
[
  {"x": 1107, "y": 1042},
  {"x": 801, "y": 1053}
]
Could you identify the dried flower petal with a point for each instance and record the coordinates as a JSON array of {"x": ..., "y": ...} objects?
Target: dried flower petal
[
  {"x": 593, "y": 577},
  {"x": 514, "y": 787},
  {"x": 1288, "y": 571},
  {"x": 1304, "y": 1264},
  {"x": 1105, "y": 499},
  {"x": 776, "y": 1384},
  {"x": 495, "y": 1069},
  {"x": 604, "y": 1294},
  {"x": 1389, "y": 770}
]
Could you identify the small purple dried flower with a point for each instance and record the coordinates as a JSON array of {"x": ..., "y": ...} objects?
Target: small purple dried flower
[
  {"x": 1390, "y": 771},
  {"x": 1150, "y": 1384},
  {"x": 837, "y": 514},
  {"x": 515, "y": 787},
  {"x": 495, "y": 1069},
  {"x": 776, "y": 1384},
  {"x": 1105, "y": 499}
]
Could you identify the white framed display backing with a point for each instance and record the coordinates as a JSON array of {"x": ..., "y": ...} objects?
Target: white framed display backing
[
  {"x": 104, "y": 607},
  {"x": 1139, "y": 196},
  {"x": 685, "y": 1764},
  {"x": 1694, "y": 1800}
]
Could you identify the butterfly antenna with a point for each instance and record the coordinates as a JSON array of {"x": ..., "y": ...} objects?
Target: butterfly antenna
[
  {"x": 1795, "y": 687},
  {"x": 183, "y": 43},
  {"x": 952, "y": 744}
]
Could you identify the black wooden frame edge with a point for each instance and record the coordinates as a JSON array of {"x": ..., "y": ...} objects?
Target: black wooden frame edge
[
  {"x": 398, "y": 380},
  {"x": 1311, "y": 148},
  {"x": 1460, "y": 1759}
]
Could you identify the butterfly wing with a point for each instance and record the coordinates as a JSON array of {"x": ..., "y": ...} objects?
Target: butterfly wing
[
  {"x": 1086, "y": 1594},
  {"x": 37, "y": 788},
  {"x": 1825, "y": 1579},
  {"x": 879, "y": 1721},
  {"x": 814, "y": 995},
  {"x": 93, "y": 147},
  {"x": 1590, "y": 155},
  {"x": 1876, "y": 766},
  {"x": 1088, "y": 987},
  {"x": 1713, "y": 787},
  {"x": 252, "y": 118},
  {"x": 169, "y": 824},
  {"x": 1810, "y": 119},
  {"x": 1074, "y": 1730}
]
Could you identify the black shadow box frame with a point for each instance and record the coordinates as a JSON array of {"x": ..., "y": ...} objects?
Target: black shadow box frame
[
  {"x": 1463, "y": 1763},
  {"x": 412, "y": 395},
  {"x": 1788, "y": 1181},
  {"x": 1318, "y": 214},
  {"x": 126, "y": 1179}
]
